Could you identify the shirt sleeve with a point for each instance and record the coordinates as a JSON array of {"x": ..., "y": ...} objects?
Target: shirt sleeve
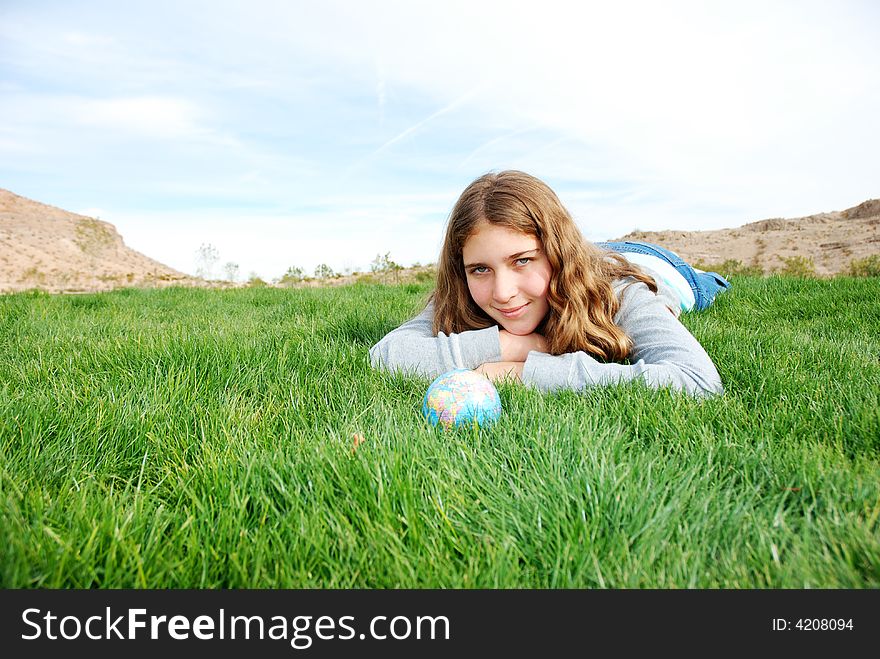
[
  {"x": 664, "y": 353},
  {"x": 412, "y": 348}
]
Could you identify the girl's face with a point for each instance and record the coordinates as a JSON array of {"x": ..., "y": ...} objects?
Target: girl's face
[{"x": 508, "y": 276}]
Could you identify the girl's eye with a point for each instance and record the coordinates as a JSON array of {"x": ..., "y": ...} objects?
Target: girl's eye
[
  {"x": 479, "y": 270},
  {"x": 524, "y": 261}
]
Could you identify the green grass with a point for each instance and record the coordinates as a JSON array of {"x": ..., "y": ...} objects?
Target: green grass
[{"x": 192, "y": 438}]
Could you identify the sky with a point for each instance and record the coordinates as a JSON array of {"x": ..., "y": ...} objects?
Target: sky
[{"x": 291, "y": 134}]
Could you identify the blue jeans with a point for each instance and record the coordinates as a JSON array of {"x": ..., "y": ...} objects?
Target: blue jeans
[{"x": 705, "y": 285}]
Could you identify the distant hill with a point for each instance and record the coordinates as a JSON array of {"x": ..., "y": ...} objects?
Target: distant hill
[
  {"x": 47, "y": 248},
  {"x": 832, "y": 240}
]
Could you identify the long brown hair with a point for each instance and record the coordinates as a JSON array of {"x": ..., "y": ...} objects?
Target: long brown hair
[{"x": 581, "y": 298}]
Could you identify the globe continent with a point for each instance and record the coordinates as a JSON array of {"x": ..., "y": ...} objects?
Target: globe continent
[{"x": 460, "y": 397}]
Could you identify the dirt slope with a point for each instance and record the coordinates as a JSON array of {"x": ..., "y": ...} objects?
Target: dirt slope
[
  {"x": 831, "y": 240},
  {"x": 53, "y": 250}
]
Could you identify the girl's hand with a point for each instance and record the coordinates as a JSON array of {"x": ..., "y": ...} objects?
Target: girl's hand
[
  {"x": 497, "y": 371},
  {"x": 515, "y": 348}
]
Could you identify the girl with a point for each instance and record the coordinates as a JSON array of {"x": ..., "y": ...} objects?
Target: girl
[{"x": 521, "y": 294}]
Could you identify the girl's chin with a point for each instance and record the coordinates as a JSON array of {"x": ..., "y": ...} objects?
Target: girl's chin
[{"x": 517, "y": 331}]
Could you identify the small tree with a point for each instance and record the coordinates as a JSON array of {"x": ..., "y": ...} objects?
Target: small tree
[
  {"x": 294, "y": 275},
  {"x": 231, "y": 270},
  {"x": 379, "y": 264},
  {"x": 324, "y": 271},
  {"x": 395, "y": 270},
  {"x": 385, "y": 267},
  {"x": 206, "y": 258}
]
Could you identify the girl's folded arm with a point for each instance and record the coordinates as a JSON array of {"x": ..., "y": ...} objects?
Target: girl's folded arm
[
  {"x": 664, "y": 353},
  {"x": 413, "y": 348}
]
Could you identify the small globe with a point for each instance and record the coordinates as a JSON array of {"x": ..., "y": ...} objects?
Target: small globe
[{"x": 461, "y": 397}]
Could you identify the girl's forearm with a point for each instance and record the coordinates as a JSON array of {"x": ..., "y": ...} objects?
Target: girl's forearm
[{"x": 506, "y": 370}]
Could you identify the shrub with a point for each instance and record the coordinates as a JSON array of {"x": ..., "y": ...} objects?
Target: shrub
[
  {"x": 866, "y": 267},
  {"x": 294, "y": 275},
  {"x": 32, "y": 274},
  {"x": 797, "y": 266},
  {"x": 731, "y": 268},
  {"x": 92, "y": 236}
]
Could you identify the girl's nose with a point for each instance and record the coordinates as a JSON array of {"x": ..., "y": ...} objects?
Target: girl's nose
[{"x": 504, "y": 288}]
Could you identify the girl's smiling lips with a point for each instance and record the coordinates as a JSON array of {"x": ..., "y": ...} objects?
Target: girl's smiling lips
[{"x": 510, "y": 313}]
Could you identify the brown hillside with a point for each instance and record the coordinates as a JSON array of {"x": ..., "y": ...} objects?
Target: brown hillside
[
  {"x": 831, "y": 240},
  {"x": 43, "y": 247},
  {"x": 47, "y": 248}
]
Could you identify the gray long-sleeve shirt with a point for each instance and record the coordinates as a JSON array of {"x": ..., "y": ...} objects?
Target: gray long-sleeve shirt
[{"x": 664, "y": 352}]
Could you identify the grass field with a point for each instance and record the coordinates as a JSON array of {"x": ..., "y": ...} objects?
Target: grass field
[{"x": 193, "y": 438}]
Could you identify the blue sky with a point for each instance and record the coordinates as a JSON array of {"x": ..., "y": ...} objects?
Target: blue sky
[{"x": 294, "y": 133}]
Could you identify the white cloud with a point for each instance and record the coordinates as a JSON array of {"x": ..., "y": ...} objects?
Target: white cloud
[
  {"x": 381, "y": 94},
  {"x": 169, "y": 118},
  {"x": 82, "y": 40}
]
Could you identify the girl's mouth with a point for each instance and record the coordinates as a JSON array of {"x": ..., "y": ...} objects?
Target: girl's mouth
[{"x": 513, "y": 312}]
